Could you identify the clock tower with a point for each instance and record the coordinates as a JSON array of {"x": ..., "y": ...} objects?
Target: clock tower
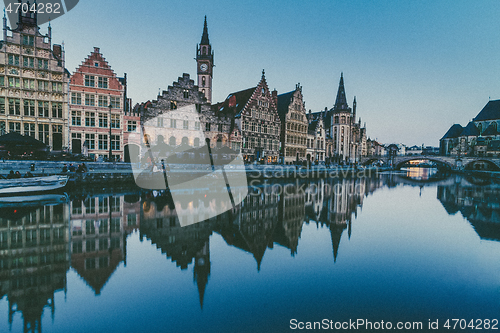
[{"x": 205, "y": 64}]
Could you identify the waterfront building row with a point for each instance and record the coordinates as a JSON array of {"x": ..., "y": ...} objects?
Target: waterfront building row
[{"x": 88, "y": 112}]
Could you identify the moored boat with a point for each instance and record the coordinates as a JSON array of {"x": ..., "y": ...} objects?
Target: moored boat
[{"x": 33, "y": 184}]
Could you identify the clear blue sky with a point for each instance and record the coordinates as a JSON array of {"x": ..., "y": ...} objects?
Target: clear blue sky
[{"x": 415, "y": 67}]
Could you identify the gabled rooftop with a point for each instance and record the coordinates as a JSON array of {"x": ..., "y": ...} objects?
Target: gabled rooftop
[
  {"x": 453, "y": 132},
  {"x": 470, "y": 130},
  {"x": 489, "y": 112}
]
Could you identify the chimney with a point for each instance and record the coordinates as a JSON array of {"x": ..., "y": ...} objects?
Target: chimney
[{"x": 274, "y": 95}]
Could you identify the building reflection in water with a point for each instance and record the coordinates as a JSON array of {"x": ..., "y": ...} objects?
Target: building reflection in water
[
  {"x": 34, "y": 256},
  {"x": 477, "y": 200},
  {"x": 99, "y": 227},
  {"x": 38, "y": 244}
]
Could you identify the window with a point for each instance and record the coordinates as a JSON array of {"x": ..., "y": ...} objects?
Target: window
[
  {"x": 207, "y": 127},
  {"x": 76, "y": 118},
  {"x": 185, "y": 124},
  {"x": 29, "y": 84},
  {"x": 13, "y": 60},
  {"x": 90, "y": 119},
  {"x": 15, "y": 127},
  {"x": 131, "y": 126},
  {"x": 102, "y": 82},
  {"x": 115, "y": 121},
  {"x": 203, "y": 83},
  {"x": 103, "y": 142},
  {"x": 219, "y": 127},
  {"x": 28, "y": 40},
  {"x": 2, "y": 81},
  {"x": 43, "y": 63},
  {"x": 173, "y": 123},
  {"x": 102, "y": 101},
  {"x": 43, "y": 109},
  {"x": 89, "y": 81},
  {"x": 2, "y": 127},
  {"x": 76, "y": 98},
  {"x": 197, "y": 125},
  {"x": 43, "y": 133},
  {"x": 103, "y": 245},
  {"x": 115, "y": 142},
  {"x": 186, "y": 93},
  {"x": 90, "y": 141},
  {"x": 115, "y": 102},
  {"x": 96, "y": 64},
  {"x": 29, "y": 107},
  {"x": 173, "y": 105},
  {"x": 29, "y": 62},
  {"x": 56, "y": 128},
  {"x": 159, "y": 122},
  {"x": 103, "y": 208},
  {"x": 43, "y": 86},
  {"x": 103, "y": 119},
  {"x": 89, "y": 100},
  {"x": 2, "y": 105},
  {"x": 197, "y": 142},
  {"x": 29, "y": 129},
  {"x": 14, "y": 106},
  {"x": 56, "y": 110},
  {"x": 14, "y": 82},
  {"x": 57, "y": 86}
]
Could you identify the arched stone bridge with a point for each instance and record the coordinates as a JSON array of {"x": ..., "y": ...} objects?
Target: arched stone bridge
[{"x": 452, "y": 162}]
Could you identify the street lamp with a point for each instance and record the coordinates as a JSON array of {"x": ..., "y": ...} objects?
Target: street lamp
[{"x": 110, "y": 153}]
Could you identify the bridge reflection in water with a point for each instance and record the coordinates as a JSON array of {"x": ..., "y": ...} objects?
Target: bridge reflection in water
[{"x": 39, "y": 244}]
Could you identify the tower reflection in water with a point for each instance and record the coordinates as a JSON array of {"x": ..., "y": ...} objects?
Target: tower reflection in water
[{"x": 40, "y": 241}]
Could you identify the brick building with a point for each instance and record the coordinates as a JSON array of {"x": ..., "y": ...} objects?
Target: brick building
[
  {"x": 98, "y": 104},
  {"x": 33, "y": 83}
]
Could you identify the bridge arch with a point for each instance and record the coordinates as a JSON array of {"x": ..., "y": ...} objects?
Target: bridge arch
[
  {"x": 482, "y": 164},
  {"x": 399, "y": 162}
]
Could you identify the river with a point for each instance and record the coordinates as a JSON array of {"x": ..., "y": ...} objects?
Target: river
[{"x": 407, "y": 247}]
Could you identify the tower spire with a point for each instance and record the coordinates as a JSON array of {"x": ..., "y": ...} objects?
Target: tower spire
[
  {"x": 204, "y": 36},
  {"x": 341, "y": 101}
]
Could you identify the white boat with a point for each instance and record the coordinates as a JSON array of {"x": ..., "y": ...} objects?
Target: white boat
[
  {"x": 33, "y": 184},
  {"x": 22, "y": 201}
]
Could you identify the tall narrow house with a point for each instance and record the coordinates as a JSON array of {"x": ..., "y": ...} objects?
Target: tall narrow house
[
  {"x": 98, "y": 102},
  {"x": 33, "y": 83}
]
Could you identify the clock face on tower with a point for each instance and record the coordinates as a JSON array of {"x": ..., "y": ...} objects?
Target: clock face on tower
[{"x": 203, "y": 67}]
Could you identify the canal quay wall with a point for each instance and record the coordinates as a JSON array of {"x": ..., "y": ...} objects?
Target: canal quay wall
[{"x": 106, "y": 174}]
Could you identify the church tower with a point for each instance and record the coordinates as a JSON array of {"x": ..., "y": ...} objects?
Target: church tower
[{"x": 205, "y": 62}]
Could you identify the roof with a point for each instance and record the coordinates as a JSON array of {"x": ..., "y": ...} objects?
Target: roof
[
  {"x": 341, "y": 101},
  {"x": 491, "y": 130},
  {"x": 204, "y": 37},
  {"x": 453, "y": 132},
  {"x": 284, "y": 101},
  {"x": 470, "y": 130},
  {"x": 237, "y": 101},
  {"x": 489, "y": 112}
]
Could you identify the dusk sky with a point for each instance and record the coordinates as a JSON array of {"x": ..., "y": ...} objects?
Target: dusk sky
[{"x": 415, "y": 67}]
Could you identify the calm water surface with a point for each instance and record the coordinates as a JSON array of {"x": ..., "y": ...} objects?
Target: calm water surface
[{"x": 397, "y": 247}]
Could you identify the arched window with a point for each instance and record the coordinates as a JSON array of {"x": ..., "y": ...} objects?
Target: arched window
[
  {"x": 203, "y": 81},
  {"x": 185, "y": 141},
  {"x": 171, "y": 141}
]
